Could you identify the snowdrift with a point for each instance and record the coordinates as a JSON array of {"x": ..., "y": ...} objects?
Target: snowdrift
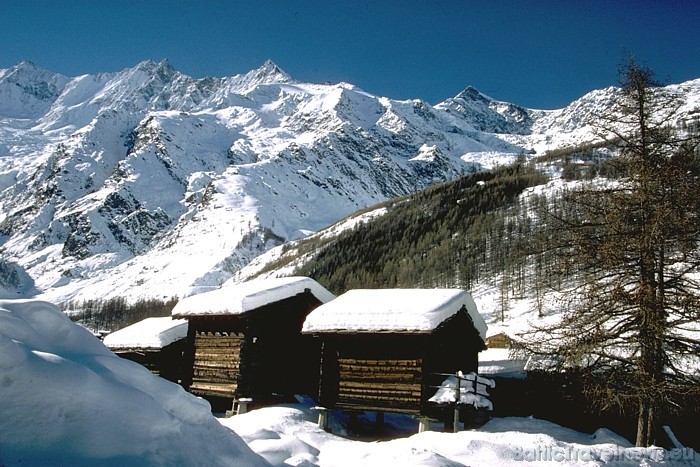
[
  {"x": 288, "y": 435},
  {"x": 65, "y": 399}
]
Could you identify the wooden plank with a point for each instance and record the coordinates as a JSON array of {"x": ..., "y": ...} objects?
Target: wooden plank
[
  {"x": 217, "y": 348},
  {"x": 380, "y": 385},
  {"x": 372, "y": 373},
  {"x": 374, "y": 377},
  {"x": 208, "y": 355},
  {"x": 218, "y": 342},
  {"x": 218, "y": 379},
  {"x": 215, "y": 364},
  {"x": 210, "y": 337},
  {"x": 405, "y": 401},
  {"x": 378, "y": 407},
  {"x": 381, "y": 362},
  {"x": 377, "y": 368},
  {"x": 408, "y": 404},
  {"x": 203, "y": 385},
  {"x": 377, "y": 394},
  {"x": 387, "y": 395},
  {"x": 231, "y": 374},
  {"x": 226, "y": 390}
]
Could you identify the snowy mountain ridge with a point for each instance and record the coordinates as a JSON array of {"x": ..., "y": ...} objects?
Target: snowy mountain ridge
[{"x": 150, "y": 183}]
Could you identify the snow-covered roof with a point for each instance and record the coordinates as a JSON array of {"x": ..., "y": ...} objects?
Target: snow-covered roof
[
  {"x": 396, "y": 310},
  {"x": 150, "y": 333},
  {"x": 247, "y": 296}
]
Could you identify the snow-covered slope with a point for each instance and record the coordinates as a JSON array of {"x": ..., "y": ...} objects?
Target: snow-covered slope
[
  {"x": 66, "y": 399},
  {"x": 150, "y": 183}
]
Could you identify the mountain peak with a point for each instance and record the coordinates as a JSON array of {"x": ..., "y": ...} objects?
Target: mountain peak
[
  {"x": 151, "y": 66},
  {"x": 28, "y": 68},
  {"x": 27, "y": 90},
  {"x": 26, "y": 65},
  {"x": 268, "y": 73},
  {"x": 473, "y": 94},
  {"x": 271, "y": 68}
]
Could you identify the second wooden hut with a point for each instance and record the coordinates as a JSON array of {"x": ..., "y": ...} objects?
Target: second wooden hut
[{"x": 387, "y": 350}]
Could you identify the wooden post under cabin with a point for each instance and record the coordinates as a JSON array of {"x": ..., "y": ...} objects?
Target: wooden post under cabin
[{"x": 423, "y": 424}]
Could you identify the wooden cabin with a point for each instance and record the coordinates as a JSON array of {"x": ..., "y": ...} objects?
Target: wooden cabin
[
  {"x": 498, "y": 341},
  {"x": 245, "y": 340},
  {"x": 156, "y": 343},
  {"x": 387, "y": 350}
]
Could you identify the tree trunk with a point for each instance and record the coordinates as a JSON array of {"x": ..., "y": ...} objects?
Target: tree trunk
[{"x": 642, "y": 424}]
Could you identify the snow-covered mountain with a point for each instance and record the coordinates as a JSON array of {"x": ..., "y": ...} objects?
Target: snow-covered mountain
[{"x": 150, "y": 183}]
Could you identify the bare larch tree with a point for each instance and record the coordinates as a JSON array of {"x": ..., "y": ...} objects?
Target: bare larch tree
[{"x": 631, "y": 246}]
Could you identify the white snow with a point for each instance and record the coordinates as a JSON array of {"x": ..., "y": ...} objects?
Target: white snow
[
  {"x": 288, "y": 435},
  {"x": 235, "y": 299},
  {"x": 472, "y": 390},
  {"x": 150, "y": 333},
  {"x": 171, "y": 184},
  {"x": 408, "y": 310},
  {"x": 65, "y": 399}
]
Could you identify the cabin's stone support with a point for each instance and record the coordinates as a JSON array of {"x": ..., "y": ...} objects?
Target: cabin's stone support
[
  {"x": 243, "y": 405},
  {"x": 423, "y": 424},
  {"x": 323, "y": 421}
]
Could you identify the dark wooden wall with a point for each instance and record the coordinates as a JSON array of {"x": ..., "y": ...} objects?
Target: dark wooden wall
[{"x": 167, "y": 362}]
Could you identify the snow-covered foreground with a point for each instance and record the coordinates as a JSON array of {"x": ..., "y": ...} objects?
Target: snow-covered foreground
[
  {"x": 288, "y": 435},
  {"x": 65, "y": 399}
]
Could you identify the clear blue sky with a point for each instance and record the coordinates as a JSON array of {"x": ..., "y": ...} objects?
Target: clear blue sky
[{"x": 540, "y": 54}]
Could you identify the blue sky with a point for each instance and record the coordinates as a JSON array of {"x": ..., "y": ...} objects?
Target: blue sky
[{"x": 536, "y": 53}]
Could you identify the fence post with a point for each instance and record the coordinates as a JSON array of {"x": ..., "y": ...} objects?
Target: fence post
[{"x": 458, "y": 397}]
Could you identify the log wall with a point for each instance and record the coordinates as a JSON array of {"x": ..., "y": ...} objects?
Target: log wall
[
  {"x": 380, "y": 384},
  {"x": 217, "y": 363}
]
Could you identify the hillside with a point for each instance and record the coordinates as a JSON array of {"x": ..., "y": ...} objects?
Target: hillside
[
  {"x": 487, "y": 232},
  {"x": 479, "y": 232}
]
